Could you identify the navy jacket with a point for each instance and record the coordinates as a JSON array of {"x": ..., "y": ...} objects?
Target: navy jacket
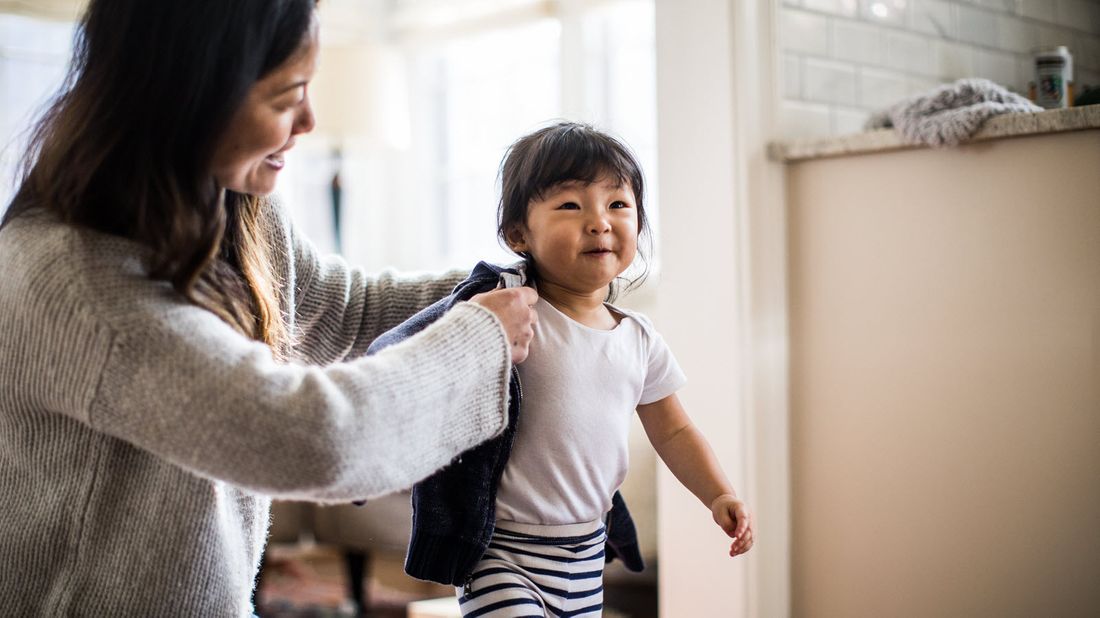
[{"x": 454, "y": 510}]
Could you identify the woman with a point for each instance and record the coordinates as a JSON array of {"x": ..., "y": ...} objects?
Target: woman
[{"x": 173, "y": 354}]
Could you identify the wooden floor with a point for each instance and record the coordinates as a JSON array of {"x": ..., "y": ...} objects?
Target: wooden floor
[{"x": 300, "y": 581}]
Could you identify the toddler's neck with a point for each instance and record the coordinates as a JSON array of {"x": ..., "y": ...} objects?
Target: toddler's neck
[{"x": 586, "y": 308}]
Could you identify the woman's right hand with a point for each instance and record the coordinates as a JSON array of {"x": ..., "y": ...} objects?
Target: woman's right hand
[{"x": 515, "y": 308}]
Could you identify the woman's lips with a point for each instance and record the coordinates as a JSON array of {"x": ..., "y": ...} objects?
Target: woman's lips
[{"x": 276, "y": 159}]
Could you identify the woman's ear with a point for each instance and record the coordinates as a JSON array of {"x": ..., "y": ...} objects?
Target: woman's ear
[{"x": 517, "y": 239}]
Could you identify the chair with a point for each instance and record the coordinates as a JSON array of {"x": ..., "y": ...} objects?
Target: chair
[{"x": 381, "y": 526}]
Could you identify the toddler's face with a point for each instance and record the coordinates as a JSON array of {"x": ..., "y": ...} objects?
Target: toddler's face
[{"x": 580, "y": 235}]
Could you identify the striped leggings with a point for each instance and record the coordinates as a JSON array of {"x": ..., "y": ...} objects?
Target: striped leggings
[{"x": 536, "y": 571}]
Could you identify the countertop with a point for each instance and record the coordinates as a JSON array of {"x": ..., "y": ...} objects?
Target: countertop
[{"x": 882, "y": 140}]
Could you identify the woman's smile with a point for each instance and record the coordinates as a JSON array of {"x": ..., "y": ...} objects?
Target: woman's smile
[{"x": 275, "y": 111}]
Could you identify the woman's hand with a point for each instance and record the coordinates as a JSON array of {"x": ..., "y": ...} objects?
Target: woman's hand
[
  {"x": 515, "y": 308},
  {"x": 735, "y": 519}
]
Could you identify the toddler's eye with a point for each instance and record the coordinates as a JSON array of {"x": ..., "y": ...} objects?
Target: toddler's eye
[
  {"x": 569, "y": 206},
  {"x": 619, "y": 205}
]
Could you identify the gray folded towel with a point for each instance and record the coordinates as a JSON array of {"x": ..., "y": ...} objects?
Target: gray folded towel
[{"x": 950, "y": 113}]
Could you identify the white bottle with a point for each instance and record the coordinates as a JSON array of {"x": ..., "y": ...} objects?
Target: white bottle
[{"x": 1054, "y": 78}]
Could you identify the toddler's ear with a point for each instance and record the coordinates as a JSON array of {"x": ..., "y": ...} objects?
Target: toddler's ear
[{"x": 516, "y": 239}]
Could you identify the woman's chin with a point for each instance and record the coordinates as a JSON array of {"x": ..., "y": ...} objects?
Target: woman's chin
[{"x": 260, "y": 184}]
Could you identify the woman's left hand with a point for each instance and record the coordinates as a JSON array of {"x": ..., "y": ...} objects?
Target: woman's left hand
[{"x": 733, "y": 516}]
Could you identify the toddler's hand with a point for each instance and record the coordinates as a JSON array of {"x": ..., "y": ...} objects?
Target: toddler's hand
[
  {"x": 515, "y": 309},
  {"x": 736, "y": 521}
]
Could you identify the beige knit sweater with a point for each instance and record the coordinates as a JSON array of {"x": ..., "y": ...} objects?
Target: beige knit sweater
[{"x": 141, "y": 438}]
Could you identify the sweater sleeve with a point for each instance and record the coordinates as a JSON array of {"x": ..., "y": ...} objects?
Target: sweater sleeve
[
  {"x": 191, "y": 390},
  {"x": 338, "y": 309}
]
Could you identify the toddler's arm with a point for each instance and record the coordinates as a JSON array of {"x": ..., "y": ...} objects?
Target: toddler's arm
[{"x": 688, "y": 455}]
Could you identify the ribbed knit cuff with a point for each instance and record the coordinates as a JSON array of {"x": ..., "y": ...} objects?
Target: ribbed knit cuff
[
  {"x": 443, "y": 560},
  {"x": 475, "y": 313}
]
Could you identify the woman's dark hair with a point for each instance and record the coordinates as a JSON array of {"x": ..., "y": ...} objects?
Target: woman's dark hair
[
  {"x": 564, "y": 152},
  {"x": 127, "y": 145}
]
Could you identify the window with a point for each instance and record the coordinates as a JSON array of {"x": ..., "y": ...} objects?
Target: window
[
  {"x": 472, "y": 91},
  {"x": 481, "y": 93},
  {"x": 34, "y": 55},
  {"x": 476, "y": 76}
]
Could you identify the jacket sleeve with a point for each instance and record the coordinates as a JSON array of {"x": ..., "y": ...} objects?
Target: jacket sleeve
[
  {"x": 191, "y": 390},
  {"x": 337, "y": 309}
]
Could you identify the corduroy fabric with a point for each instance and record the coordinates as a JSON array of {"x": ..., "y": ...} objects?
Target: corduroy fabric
[{"x": 141, "y": 438}]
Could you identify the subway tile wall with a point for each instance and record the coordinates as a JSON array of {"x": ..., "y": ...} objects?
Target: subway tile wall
[{"x": 843, "y": 59}]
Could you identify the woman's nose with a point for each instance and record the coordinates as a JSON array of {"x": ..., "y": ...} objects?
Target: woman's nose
[{"x": 305, "y": 121}]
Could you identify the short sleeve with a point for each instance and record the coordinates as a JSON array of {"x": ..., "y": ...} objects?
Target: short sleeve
[{"x": 664, "y": 375}]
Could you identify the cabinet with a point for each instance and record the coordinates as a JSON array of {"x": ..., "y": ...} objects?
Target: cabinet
[{"x": 945, "y": 380}]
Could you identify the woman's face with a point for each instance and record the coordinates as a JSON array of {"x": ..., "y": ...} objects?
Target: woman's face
[{"x": 249, "y": 155}]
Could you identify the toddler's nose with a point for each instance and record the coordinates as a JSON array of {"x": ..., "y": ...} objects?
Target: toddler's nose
[{"x": 598, "y": 225}]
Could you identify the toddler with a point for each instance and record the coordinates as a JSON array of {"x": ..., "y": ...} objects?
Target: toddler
[{"x": 522, "y": 525}]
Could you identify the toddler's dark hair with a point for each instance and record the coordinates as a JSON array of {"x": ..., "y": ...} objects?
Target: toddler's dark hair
[{"x": 563, "y": 152}]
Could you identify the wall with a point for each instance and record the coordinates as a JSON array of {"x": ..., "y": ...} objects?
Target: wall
[
  {"x": 842, "y": 59},
  {"x": 721, "y": 303},
  {"x": 945, "y": 356},
  {"x": 696, "y": 302}
]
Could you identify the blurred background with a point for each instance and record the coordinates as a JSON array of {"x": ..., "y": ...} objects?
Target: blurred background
[
  {"x": 418, "y": 99},
  {"x": 868, "y": 327}
]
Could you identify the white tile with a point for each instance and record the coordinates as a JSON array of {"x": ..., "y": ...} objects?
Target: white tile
[
  {"x": 845, "y": 121},
  {"x": 1025, "y": 73},
  {"x": 1094, "y": 18},
  {"x": 1074, "y": 14},
  {"x": 998, "y": 67},
  {"x": 1089, "y": 79},
  {"x": 881, "y": 89},
  {"x": 1037, "y": 9},
  {"x": 804, "y": 32},
  {"x": 829, "y": 82},
  {"x": 908, "y": 52},
  {"x": 1051, "y": 37},
  {"x": 857, "y": 42},
  {"x": 977, "y": 26},
  {"x": 802, "y": 120},
  {"x": 934, "y": 17},
  {"x": 847, "y": 8},
  {"x": 953, "y": 60},
  {"x": 1086, "y": 52},
  {"x": 792, "y": 76},
  {"x": 892, "y": 12},
  {"x": 998, "y": 5},
  {"x": 1016, "y": 35},
  {"x": 922, "y": 85}
]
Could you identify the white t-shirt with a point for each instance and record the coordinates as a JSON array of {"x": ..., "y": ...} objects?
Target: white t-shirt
[{"x": 581, "y": 386}]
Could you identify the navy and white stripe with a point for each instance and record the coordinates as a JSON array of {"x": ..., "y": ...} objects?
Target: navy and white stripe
[{"x": 539, "y": 571}]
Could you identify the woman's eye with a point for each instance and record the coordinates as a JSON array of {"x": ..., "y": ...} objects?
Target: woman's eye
[{"x": 290, "y": 100}]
